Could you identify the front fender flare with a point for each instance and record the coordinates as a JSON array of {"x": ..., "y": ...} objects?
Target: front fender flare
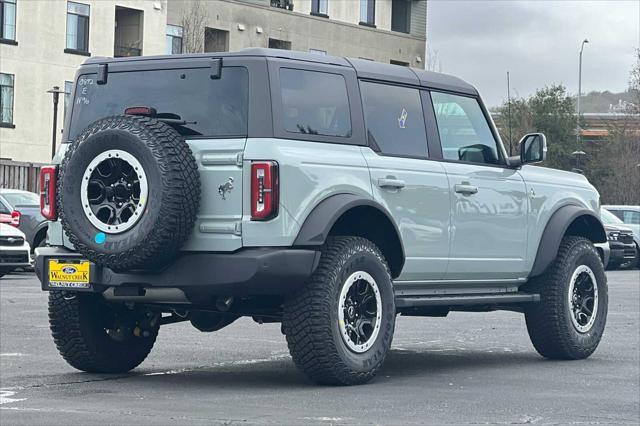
[{"x": 557, "y": 227}]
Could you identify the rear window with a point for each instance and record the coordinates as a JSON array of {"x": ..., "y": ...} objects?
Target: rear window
[
  {"x": 315, "y": 103},
  {"x": 216, "y": 108},
  {"x": 22, "y": 198}
]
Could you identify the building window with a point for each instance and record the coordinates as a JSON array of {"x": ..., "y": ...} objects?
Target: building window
[
  {"x": 77, "y": 28},
  {"x": 401, "y": 15},
  {"x": 282, "y": 4},
  {"x": 6, "y": 100},
  {"x": 68, "y": 93},
  {"x": 8, "y": 19},
  {"x": 320, "y": 8},
  {"x": 174, "y": 40},
  {"x": 368, "y": 12},
  {"x": 216, "y": 40},
  {"x": 274, "y": 43}
]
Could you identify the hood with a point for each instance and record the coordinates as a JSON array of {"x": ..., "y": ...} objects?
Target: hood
[
  {"x": 622, "y": 229},
  {"x": 10, "y": 231}
]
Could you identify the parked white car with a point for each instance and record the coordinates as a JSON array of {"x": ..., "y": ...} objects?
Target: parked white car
[
  {"x": 14, "y": 249},
  {"x": 630, "y": 215}
]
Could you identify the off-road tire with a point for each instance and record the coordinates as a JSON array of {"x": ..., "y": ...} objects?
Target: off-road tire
[
  {"x": 549, "y": 322},
  {"x": 310, "y": 320},
  {"x": 75, "y": 320},
  {"x": 171, "y": 206}
]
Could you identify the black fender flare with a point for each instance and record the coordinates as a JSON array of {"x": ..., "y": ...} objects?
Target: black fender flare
[
  {"x": 557, "y": 227},
  {"x": 318, "y": 224}
]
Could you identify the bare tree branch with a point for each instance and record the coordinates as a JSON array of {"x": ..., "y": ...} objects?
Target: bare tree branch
[{"x": 193, "y": 21}]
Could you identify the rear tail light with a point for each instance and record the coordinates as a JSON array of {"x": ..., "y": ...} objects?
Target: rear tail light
[
  {"x": 15, "y": 218},
  {"x": 264, "y": 190},
  {"x": 48, "y": 176}
]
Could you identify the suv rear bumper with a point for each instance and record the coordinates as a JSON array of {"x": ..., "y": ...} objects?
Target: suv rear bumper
[{"x": 247, "y": 272}]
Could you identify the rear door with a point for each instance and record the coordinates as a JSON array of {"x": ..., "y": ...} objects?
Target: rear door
[
  {"x": 488, "y": 200},
  {"x": 414, "y": 189}
]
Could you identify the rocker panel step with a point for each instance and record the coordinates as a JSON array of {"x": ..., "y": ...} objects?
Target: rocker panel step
[{"x": 462, "y": 300}]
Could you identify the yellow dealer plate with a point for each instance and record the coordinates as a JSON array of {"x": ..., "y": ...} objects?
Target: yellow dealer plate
[{"x": 67, "y": 274}]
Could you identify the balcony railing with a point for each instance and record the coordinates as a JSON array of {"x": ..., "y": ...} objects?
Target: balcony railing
[{"x": 125, "y": 51}]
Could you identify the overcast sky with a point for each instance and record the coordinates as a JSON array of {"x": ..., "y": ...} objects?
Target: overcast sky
[{"x": 537, "y": 41}]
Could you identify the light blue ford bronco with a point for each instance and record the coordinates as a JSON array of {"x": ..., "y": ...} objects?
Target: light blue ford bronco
[{"x": 323, "y": 193}]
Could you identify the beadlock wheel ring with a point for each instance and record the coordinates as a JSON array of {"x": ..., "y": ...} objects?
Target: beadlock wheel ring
[
  {"x": 359, "y": 319},
  {"x": 114, "y": 191},
  {"x": 583, "y": 298}
]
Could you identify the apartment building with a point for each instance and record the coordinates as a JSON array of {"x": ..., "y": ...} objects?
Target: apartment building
[
  {"x": 391, "y": 31},
  {"x": 43, "y": 42}
]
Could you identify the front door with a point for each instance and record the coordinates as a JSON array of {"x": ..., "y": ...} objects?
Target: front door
[
  {"x": 413, "y": 188},
  {"x": 488, "y": 200}
]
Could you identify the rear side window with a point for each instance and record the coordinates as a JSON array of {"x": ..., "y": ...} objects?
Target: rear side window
[
  {"x": 394, "y": 119},
  {"x": 215, "y": 108},
  {"x": 464, "y": 131},
  {"x": 315, "y": 103}
]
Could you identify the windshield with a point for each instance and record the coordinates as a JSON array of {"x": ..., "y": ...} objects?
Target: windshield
[
  {"x": 22, "y": 199},
  {"x": 195, "y": 104},
  {"x": 609, "y": 218}
]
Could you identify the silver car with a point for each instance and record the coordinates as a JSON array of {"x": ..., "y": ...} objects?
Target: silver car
[{"x": 29, "y": 219}]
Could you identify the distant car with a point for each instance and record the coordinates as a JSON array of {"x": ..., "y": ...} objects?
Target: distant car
[
  {"x": 22, "y": 210},
  {"x": 622, "y": 242},
  {"x": 630, "y": 215},
  {"x": 14, "y": 249}
]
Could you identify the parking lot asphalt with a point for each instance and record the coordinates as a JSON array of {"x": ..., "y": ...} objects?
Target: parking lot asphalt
[{"x": 465, "y": 368}]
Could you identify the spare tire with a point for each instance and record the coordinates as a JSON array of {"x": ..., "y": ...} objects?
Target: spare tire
[{"x": 128, "y": 192}]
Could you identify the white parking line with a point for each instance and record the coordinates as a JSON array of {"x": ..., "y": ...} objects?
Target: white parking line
[{"x": 5, "y": 397}]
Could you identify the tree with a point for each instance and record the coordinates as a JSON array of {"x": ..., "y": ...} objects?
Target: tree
[
  {"x": 433, "y": 61},
  {"x": 614, "y": 165},
  {"x": 193, "y": 21},
  {"x": 549, "y": 111}
]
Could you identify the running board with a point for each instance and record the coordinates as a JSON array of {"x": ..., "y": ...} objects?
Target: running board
[{"x": 476, "y": 299}]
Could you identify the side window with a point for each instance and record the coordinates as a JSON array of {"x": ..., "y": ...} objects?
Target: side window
[
  {"x": 631, "y": 217},
  {"x": 4, "y": 209},
  {"x": 315, "y": 103},
  {"x": 464, "y": 132},
  {"x": 394, "y": 119}
]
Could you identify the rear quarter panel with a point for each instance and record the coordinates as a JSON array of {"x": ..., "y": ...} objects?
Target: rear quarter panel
[{"x": 309, "y": 173}]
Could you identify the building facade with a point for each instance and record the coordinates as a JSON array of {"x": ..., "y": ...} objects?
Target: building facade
[
  {"x": 391, "y": 31},
  {"x": 42, "y": 43}
]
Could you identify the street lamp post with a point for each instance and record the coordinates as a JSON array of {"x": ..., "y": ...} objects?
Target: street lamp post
[
  {"x": 579, "y": 94},
  {"x": 56, "y": 95}
]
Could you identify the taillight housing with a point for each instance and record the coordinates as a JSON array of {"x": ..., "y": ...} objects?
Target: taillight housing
[
  {"x": 264, "y": 190},
  {"x": 15, "y": 218},
  {"x": 48, "y": 175}
]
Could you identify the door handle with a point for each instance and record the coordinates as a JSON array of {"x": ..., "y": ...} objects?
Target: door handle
[
  {"x": 465, "y": 188},
  {"x": 391, "y": 183}
]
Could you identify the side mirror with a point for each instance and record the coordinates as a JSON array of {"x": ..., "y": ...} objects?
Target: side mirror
[{"x": 533, "y": 149}]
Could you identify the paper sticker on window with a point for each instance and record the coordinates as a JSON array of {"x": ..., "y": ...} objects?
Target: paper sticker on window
[{"x": 402, "y": 119}]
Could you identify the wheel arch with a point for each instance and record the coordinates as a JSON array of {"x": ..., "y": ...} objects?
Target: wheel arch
[
  {"x": 350, "y": 214},
  {"x": 567, "y": 220},
  {"x": 40, "y": 234}
]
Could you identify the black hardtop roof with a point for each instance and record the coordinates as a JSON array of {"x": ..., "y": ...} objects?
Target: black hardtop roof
[{"x": 364, "y": 68}]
